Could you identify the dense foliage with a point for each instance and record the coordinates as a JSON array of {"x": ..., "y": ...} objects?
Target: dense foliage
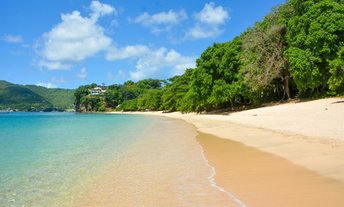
[
  {"x": 296, "y": 51},
  {"x": 130, "y": 96},
  {"x": 34, "y": 98}
]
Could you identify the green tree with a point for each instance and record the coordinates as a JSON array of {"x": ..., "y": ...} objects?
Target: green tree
[
  {"x": 113, "y": 96},
  {"x": 174, "y": 92},
  {"x": 79, "y": 94},
  {"x": 150, "y": 100},
  {"x": 148, "y": 84},
  {"x": 129, "y": 105},
  {"x": 215, "y": 82},
  {"x": 336, "y": 81},
  {"x": 315, "y": 36},
  {"x": 228, "y": 88},
  {"x": 265, "y": 67}
]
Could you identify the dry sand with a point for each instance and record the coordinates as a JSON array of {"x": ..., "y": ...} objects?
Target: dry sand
[
  {"x": 310, "y": 134},
  {"x": 293, "y": 153}
]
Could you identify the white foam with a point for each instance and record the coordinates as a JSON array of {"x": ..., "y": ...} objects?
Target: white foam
[{"x": 213, "y": 183}]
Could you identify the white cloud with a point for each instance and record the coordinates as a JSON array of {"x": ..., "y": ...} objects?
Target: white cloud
[
  {"x": 131, "y": 51},
  {"x": 53, "y": 65},
  {"x": 82, "y": 74},
  {"x": 75, "y": 38},
  {"x": 212, "y": 14},
  {"x": 98, "y": 10},
  {"x": 160, "y": 60},
  {"x": 162, "y": 21},
  {"x": 162, "y": 18},
  {"x": 46, "y": 85},
  {"x": 12, "y": 38},
  {"x": 201, "y": 32},
  {"x": 208, "y": 22},
  {"x": 152, "y": 62}
]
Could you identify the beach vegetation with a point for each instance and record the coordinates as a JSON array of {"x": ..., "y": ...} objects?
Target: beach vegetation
[{"x": 297, "y": 50}]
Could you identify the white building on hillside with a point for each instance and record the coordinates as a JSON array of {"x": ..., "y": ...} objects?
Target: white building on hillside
[{"x": 97, "y": 91}]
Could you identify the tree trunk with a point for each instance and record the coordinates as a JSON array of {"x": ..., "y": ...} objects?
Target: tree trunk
[
  {"x": 232, "y": 105},
  {"x": 286, "y": 87}
]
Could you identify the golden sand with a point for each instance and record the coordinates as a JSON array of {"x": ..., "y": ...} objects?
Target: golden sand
[
  {"x": 285, "y": 155},
  {"x": 262, "y": 179},
  {"x": 310, "y": 134},
  {"x": 164, "y": 168}
]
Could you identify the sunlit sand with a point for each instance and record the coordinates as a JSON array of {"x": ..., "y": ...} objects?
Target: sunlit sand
[{"x": 285, "y": 155}]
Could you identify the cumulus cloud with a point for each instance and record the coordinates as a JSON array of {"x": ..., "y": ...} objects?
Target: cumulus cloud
[
  {"x": 202, "y": 32},
  {"x": 151, "y": 62},
  {"x": 212, "y": 14},
  {"x": 75, "y": 38},
  {"x": 208, "y": 22},
  {"x": 54, "y": 65},
  {"x": 98, "y": 10},
  {"x": 12, "y": 38},
  {"x": 131, "y": 51},
  {"x": 157, "y": 61},
  {"x": 162, "y": 21},
  {"x": 46, "y": 85},
  {"x": 82, "y": 74}
]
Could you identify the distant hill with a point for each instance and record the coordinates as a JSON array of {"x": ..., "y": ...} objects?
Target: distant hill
[{"x": 34, "y": 98}]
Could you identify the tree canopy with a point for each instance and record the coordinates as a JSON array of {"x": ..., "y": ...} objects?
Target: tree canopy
[{"x": 297, "y": 50}]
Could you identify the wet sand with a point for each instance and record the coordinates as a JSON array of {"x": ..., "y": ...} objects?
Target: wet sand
[
  {"x": 285, "y": 155},
  {"x": 263, "y": 179},
  {"x": 164, "y": 168},
  {"x": 310, "y": 134}
]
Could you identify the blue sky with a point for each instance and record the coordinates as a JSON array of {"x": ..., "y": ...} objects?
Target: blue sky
[{"x": 67, "y": 43}]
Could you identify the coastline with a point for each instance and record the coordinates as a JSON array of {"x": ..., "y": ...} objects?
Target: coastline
[
  {"x": 286, "y": 132},
  {"x": 162, "y": 168},
  {"x": 262, "y": 179},
  {"x": 291, "y": 137}
]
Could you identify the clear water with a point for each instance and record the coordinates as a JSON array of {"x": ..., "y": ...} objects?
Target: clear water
[{"x": 44, "y": 156}]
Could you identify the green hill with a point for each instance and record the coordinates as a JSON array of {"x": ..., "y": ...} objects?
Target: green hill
[{"x": 32, "y": 98}]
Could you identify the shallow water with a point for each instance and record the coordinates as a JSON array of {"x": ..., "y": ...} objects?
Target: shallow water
[
  {"x": 63, "y": 159},
  {"x": 45, "y": 155},
  {"x": 164, "y": 168}
]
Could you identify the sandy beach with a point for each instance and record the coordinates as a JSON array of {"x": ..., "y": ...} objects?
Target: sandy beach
[
  {"x": 285, "y": 155},
  {"x": 164, "y": 168}
]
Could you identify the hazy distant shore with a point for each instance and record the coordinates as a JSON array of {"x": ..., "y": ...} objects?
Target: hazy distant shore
[{"x": 307, "y": 137}]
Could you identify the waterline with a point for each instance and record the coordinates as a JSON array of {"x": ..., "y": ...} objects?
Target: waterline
[
  {"x": 213, "y": 182},
  {"x": 100, "y": 160}
]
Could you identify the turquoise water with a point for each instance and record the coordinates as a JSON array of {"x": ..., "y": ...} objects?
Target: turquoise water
[{"x": 44, "y": 156}]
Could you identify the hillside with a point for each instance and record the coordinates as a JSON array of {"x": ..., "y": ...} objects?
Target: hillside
[{"x": 32, "y": 98}]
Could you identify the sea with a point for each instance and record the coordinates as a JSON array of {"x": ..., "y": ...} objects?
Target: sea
[{"x": 70, "y": 159}]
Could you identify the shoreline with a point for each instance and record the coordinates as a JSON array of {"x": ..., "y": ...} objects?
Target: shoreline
[
  {"x": 212, "y": 177},
  {"x": 257, "y": 128},
  {"x": 148, "y": 172},
  {"x": 258, "y": 178},
  {"x": 289, "y": 137}
]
